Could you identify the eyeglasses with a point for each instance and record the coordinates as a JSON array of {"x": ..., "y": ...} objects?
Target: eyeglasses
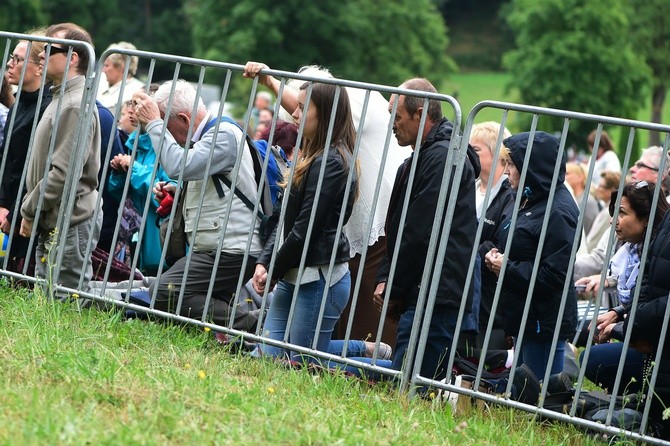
[
  {"x": 640, "y": 165},
  {"x": 57, "y": 49},
  {"x": 14, "y": 59}
]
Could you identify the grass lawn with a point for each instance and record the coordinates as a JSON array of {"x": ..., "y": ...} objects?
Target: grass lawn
[
  {"x": 71, "y": 377},
  {"x": 471, "y": 88}
]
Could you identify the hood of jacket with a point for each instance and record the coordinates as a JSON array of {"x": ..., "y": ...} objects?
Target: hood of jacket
[
  {"x": 442, "y": 131},
  {"x": 543, "y": 156}
]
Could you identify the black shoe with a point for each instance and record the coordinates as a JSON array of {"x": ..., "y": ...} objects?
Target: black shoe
[{"x": 526, "y": 386}]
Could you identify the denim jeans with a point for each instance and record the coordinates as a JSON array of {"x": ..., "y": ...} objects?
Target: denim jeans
[
  {"x": 535, "y": 354},
  {"x": 440, "y": 340},
  {"x": 305, "y": 316},
  {"x": 604, "y": 363}
]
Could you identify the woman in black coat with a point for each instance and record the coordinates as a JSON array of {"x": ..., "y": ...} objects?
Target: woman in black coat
[{"x": 550, "y": 280}]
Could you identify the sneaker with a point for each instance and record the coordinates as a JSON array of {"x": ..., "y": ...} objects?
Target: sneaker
[{"x": 385, "y": 350}]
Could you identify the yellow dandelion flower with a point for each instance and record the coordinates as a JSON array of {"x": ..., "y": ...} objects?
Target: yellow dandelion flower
[
  {"x": 201, "y": 374},
  {"x": 187, "y": 366},
  {"x": 75, "y": 296},
  {"x": 432, "y": 395},
  {"x": 208, "y": 329},
  {"x": 271, "y": 390},
  {"x": 43, "y": 259}
]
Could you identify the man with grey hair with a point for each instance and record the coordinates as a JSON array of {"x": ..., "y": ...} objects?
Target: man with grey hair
[
  {"x": 203, "y": 233},
  {"x": 114, "y": 67},
  {"x": 648, "y": 166}
]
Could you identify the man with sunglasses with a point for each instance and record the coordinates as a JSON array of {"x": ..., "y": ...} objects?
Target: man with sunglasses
[
  {"x": 23, "y": 61},
  {"x": 47, "y": 182}
]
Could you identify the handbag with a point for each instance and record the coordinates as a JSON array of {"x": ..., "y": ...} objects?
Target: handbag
[{"x": 176, "y": 239}]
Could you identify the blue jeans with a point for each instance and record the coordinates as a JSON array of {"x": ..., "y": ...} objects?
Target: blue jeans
[
  {"x": 439, "y": 341},
  {"x": 535, "y": 354},
  {"x": 604, "y": 362},
  {"x": 305, "y": 316}
]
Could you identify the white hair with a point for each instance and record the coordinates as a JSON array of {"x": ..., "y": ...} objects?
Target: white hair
[
  {"x": 307, "y": 70},
  {"x": 182, "y": 100},
  {"x": 655, "y": 153},
  {"x": 265, "y": 95}
]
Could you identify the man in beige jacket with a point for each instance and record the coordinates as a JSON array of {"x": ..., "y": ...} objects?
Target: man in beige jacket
[{"x": 59, "y": 124}]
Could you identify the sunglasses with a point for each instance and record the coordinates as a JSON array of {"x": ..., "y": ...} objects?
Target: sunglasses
[{"x": 57, "y": 49}]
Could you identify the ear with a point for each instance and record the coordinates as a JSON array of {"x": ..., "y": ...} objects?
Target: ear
[
  {"x": 418, "y": 113},
  {"x": 184, "y": 117}
]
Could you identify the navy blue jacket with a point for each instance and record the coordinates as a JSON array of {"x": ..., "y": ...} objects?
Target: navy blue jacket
[
  {"x": 15, "y": 151},
  {"x": 650, "y": 314},
  {"x": 499, "y": 211},
  {"x": 552, "y": 274},
  {"x": 418, "y": 225},
  {"x": 110, "y": 201}
]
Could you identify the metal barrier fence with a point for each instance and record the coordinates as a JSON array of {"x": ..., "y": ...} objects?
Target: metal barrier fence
[
  {"x": 365, "y": 102},
  {"x": 609, "y": 425}
]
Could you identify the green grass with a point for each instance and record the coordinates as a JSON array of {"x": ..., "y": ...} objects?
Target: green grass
[
  {"x": 471, "y": 88},
  {"x": 71, "y": 377}
]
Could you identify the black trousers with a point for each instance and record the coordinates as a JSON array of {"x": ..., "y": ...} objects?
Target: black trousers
[{"x": 198, "y": 278}]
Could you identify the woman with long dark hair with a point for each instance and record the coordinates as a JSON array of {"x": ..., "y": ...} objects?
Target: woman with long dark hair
[{"x": 323, "y": 203}]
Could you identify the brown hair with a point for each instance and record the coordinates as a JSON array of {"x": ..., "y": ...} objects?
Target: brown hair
[
  {"x": 343, "y": 136},
  {"x": 36, "y": 47},
  {"x": 74, "y": 32},
  {"x": 412, "y": 103},
  {"x": 611, "y": 178},
  {"x": 605, "y": 140},
  {"x": 639, "y": 196}
]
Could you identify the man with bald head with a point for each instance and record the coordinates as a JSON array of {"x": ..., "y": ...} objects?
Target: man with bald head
[{"x": 430, "y": 144}]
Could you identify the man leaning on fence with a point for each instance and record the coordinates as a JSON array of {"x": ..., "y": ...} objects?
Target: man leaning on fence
[
  {"x": 424, "y": 191},
  {"x": 203, "y": 234},
  {"x": 59, "y": 123}
]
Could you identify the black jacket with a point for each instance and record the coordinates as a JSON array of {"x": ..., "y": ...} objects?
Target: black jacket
[
  {"x": 499, "y": 210},
  {"x": 15, "y": 151},
  {"x": 552, "y": 273},
  {"x": 420, "y": 215},
  {"x": 301, "y": 200},
  {"x": 650, "y": 314}
]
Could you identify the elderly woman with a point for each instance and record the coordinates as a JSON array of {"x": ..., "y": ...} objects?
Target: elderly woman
[
  {"x": 541, "y": 324},
  {"x": 114, "y": 67}
]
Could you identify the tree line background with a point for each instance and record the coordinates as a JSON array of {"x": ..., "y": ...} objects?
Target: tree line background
[{"x": 585, "y": 55}]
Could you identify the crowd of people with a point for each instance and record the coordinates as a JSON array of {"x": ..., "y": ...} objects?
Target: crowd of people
[{"x": 337, "y": 231}]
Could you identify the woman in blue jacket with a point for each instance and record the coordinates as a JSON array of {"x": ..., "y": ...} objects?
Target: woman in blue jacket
[
  {"x": 140, "y": 186},
  {"x": 541, "y": 324}
]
